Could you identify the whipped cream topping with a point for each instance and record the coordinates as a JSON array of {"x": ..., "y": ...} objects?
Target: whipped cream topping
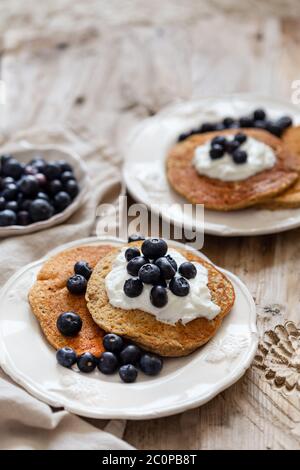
[
  {"x": 260, "y": 157},
  {"x": 196, "y": 304}
]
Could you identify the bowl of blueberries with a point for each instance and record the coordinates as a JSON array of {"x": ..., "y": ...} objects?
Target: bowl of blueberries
[{"x": 39, "y": 187}]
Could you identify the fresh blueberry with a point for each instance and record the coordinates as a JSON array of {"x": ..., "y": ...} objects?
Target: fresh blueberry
[
  {"x": 108, "y": 363},
  {"x": 246, "y": 121},
  {"x": 135, "y": 264},
  {"x": 42, "y": 195},
  {"x": 30, "y": 170},
  {"x": 7, "y": 217},
  {"x": 52, "y": 170},
  {"x": 86, "y": 362},
  {"x": 69, "y": 323},
  {"x": 135, "y": 237},
  {"x": 77, "y": 284},
  {"x": 40, "y": 209},
  {"x": 172, "y": 262},
  {"x": 13, "y": 168},
  {"x": 55, "y": 186},
  {"x": 232, "y": 146},
  {"x": 66, "y": 356},
  {"x": 218, "y": 140},
  {"x": 284, "y": 122},
  {"x": 216, "y": 151},
  {"x": 39, "y": 164},
  {"x": 259, "y": 114},
  {"x": 130, "y": 354},
  {"x": 207, "y": 127},
  {"x": 29, "y": 185},
  {"x": 24, "y": 204},
  {"x": 131, "y": 253},
  {"x": 61, "y": 200},
  {"x": 260, "y": 124},
  {"x": 219, "y": 126},
  {"x": 228, "y": 122},
  {"x": 188, "y": 270},
  {"x": 133, "y": 287},
  {"x": 240, "y": 137},
  {"x": 4, "y": 159},
  {"x": 23, "y": 218},
  {"x": 166, "y": 268},
  {"x": 151, "y": 364},
  {"x": 159, "y": 296},
  {"x": 66, "y": 176},
  {"x": 149, "y": 273},
  {"x": 2, "y": 203},
  {"x": 128, "y": 373},
  {"x": 12, "y": 206},
  {"x": 113, "y": 343},
  {"x": 41, "y": 179},
  {"x": 239, "y": 156},
  {"x": 7, "y": 180},
  {"x": 64, "y": 166},
  {"x": 10, "y": 191},
  {"x": 72, "y": 188},
  {"x": 275, "y": 129},
  {"x": 83, "y": 268},
  {"x": 179, "y": 286},
  {"x": 154, "y": 248}
]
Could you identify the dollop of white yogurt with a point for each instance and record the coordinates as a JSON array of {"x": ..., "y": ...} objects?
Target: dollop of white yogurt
[
  {"x": 260, "y": 157},
  {"x": 196, "y": 304}
]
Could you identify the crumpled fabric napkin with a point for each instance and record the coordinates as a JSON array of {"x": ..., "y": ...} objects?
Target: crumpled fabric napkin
[{"x": 25, "y": 422}]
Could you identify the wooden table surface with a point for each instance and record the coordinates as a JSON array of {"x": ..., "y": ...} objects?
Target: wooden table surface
[{"x": 102, "y": 71}]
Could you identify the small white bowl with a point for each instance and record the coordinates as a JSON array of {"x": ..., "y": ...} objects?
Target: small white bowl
[{"x": 49, "y": 153}]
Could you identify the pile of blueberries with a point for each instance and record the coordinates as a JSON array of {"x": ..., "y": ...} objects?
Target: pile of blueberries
[
  {"x": 220, "y": 145},
  {"x": 153, "y": 266},
  {"x": 34, "y": 191},
  {"x": 258, "y": 119}
]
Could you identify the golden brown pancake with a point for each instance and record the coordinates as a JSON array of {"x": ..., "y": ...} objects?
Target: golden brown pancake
[
  {"x": 49, "y": 297},
  {"x": 229, "y": 195},
  {"x": 143, "y": 328},
  {"x": 290, "y": 198}
]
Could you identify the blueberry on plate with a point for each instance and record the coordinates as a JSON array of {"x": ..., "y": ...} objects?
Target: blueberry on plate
[
  {"x": 179, "y": 286},
  {"x": 24, "y": 204},
  {"x": 259, "y": 124},
  {"x": 216, "y": 151},
  {"x": 166, "y": 268},
  {"x": 154, "y": 248},
  {"x": 275, "y": 129},
  {"x": 72, "y": 188},
  {"x": 86, "y": 362},
  {"x": 40, "y": 209},
  {"x": 219, "y": 140},
  {"x": 149, "y": 273},
  {"x": 239, "y": 156},
  {"x": 55, "y": 186},
  {"x": 11, "y": 167},
  {"x": 65, "y": 166},
  {"x": 113, "y": 343},
  {"x": 128, "y": 373},
  {"x": 133, "y": 287},
  {"x": 151, "y": 364},
  {"x": 30, "y": 170},
  {"x": 23, "y": 218},
  {"x": 41, "y": 179},
  {"x": 12, "y": 206},
  {"x": 66, "y": 356},
  {"x": 232, "y": 146},
  {"x": 66, "y": 176},
  {"x": 188, "y": 270},
  {"x": 2, "y": 203},
  {"x": 172, "y": 262},
  {"x": 69, "y": 323},
  {"x": 42, "y": 195},
  {"x": 135, "y": 237},
  {"x": 259, "y": 114},
  {"x": 135, "y": 264},
  {"x": 207, "y": 127},
  {"x": 108, "y": 363},
  {"x": 7, "y": 217},
  {"x": 228, "y": 122},
  {"x": 61, "y": 200},
  {"x": 131, "y": 253},
  {"x": 10, "y": 191},
  {"x": 29, "y": 185},
  {"x": 76, "y": 284},
  {"x": 52, "y": 170},
  {"x": 159, "y": 296},
  {"x": 240, "y": 137},
  {"x": 246, "y": 121},
  {"x": 284, "y": 122},
  {"x": 83, "y": 268},
  {"x": 7, "y": 180},
  {"x": 38, "y": 163},
  {"x": 131, "y": 354}
]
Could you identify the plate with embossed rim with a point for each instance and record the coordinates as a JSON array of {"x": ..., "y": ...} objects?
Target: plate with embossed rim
[
  {"x": 26, "y": 152},
  {"x": 184, "y": 383},
  {"x": 145, "y": 176}
]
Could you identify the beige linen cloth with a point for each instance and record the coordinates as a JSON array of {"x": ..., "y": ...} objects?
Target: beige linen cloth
[{"x": 25, "y": 422}]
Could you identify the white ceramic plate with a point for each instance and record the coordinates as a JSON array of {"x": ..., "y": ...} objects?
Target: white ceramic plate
[
  {"x": 144, "y": 167},
  {"x": 49, "y": 153},
  {"x": 183, "y": 383}
]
